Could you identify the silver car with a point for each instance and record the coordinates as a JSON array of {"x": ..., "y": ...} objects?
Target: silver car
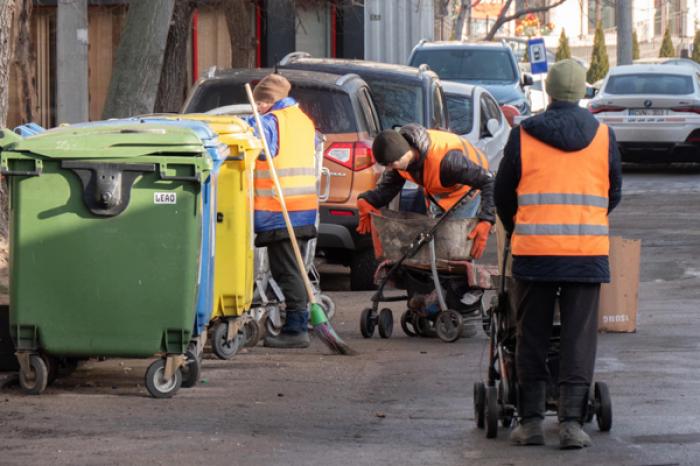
[{"x": 654, "y": 111}]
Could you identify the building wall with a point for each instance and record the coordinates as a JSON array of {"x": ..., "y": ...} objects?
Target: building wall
[{"x": 394, "y": 27}]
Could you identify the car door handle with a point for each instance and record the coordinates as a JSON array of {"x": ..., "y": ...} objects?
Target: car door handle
[{"x": 326, "y": 187}]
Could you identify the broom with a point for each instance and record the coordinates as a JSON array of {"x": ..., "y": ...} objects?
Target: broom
[{"x": 318, "y": 318}]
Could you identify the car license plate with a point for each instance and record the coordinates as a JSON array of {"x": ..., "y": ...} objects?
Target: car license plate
[{"x": 646, "y": 111}]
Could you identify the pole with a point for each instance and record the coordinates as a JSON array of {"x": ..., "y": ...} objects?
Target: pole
[
  {"x": 624, "y": 32},
  {"x": 72, "y": 61}
]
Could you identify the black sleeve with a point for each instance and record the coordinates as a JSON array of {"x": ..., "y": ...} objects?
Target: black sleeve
[
  {"x": 389, "y": 186},
  {"x": 507, "y": 180},
  {"x": 417, "y": 136},
  {"x": 615, "y": 169},
  {"x": 455, "y": 168}
]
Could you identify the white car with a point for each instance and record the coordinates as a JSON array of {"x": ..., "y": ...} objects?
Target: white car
[
  {"x": 654, "y": 111},
  {"x": 475, "y": 115}
]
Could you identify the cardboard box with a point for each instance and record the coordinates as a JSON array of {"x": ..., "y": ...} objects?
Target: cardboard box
[{"x": 619, "y": 299}]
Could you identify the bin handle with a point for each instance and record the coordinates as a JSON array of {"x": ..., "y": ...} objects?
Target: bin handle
[
  {"x": 6, "y": 171},
  {"x": 197, "y": 177}
]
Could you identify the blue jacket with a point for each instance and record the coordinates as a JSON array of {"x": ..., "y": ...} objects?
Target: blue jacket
[{"x": 567, "y": 127}]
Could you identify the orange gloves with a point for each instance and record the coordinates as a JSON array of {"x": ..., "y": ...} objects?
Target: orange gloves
[
  {"x": 365, "y": 208},
  {"x": 480, "y": 236}
]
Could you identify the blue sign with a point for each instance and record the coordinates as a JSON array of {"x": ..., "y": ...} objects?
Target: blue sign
[{"x": 538, "y": 55}]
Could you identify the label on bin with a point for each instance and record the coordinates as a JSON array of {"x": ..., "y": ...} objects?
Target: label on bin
[{"x": 165, "y": 198}]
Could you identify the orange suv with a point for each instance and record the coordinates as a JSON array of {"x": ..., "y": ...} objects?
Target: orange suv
[{"x": 343, "y": 110}]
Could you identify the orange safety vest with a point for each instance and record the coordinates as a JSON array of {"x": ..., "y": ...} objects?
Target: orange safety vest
[
  {"x": 442, "y": 142},
  {"x": 562, "y": 199},
  {"x": 295, "y": 165}
]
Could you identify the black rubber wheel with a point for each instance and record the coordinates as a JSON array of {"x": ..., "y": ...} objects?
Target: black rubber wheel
[
  {"x": 156, "y": 386},
  {"x": 191, "y": 371},
  {"x": 407, "y": 323},
  {"x": 385, "y": 323},
  {"x": 362, "y": 268},
  {"x": 367, "y": 322},
  {"x": 479, "y": 403},
  {"x": 603, "y": 404},
  {"x": 35, "y": 382},
  {"x": 252, "y": 332},
  {"x": 425, "y": 327},
  {"x": 224, "y": 349},
  {"x": 491, "y": 412},
  {"x": 449, "y": 326}
]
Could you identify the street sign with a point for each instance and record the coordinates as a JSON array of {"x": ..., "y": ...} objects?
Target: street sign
[{"x": 538, "y": 55}]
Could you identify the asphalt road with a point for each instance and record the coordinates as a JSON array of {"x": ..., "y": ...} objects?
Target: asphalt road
[{"x": 400, "y": 401}]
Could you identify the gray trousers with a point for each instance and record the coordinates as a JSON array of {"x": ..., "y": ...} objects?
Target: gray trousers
[{"x": 285, "y": 271}]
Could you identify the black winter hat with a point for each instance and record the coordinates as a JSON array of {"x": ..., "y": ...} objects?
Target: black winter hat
[{"x": 389, "y": 146}]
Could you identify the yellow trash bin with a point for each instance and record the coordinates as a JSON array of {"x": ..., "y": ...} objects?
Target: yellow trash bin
[{"x": 233, "y": 264}]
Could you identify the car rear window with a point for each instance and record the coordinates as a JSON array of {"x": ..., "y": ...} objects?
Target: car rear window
[
  {"x": 468, "y": 64},
  {"x": 397, "y": 103},
  {"x": 331, "y": 111},
  {"x": 461, "y": 113},
  {"x": 650, "y": 83}
]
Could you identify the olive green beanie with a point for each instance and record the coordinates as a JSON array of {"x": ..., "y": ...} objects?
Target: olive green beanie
[{"x": 566, "y": 80}]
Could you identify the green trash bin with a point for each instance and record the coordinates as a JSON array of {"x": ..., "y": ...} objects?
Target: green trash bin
[{"x": 105, "y": 232}]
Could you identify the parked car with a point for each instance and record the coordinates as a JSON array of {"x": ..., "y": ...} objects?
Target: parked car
[
  {"x": 343, "y": 110},
  {"x": 654, "y": 111},
  {"x": 475, "y": 115},
  {"x": 684, "y": 62},
  {"x": 402, "y": 94},
  {"x": 491, "y": 65},
  {"x": 539, "y": 98}
]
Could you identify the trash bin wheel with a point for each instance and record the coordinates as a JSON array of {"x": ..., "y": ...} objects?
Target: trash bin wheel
[
  {"x": 252, "y": 333},
  {"x": 385, "y": 323},
  {"x": 491, "y": 412},
  {"x": 328, "y": 305},
  {"x": 449, "y": 325},
  {"x": 408, "y": 323},
  {"x": 603, "y": 404},
  {"x": 222, "y": 347},
  {"x": 270, "y": 327},
  {"x": 52, "y": 366},
  {"x": 479, "y": 403},
  {"x": 156, "y": 386},
  {"x": 192, "y": 370},
  {"x": 34, "y": 383},
  {"x": 368, "y": 320}
]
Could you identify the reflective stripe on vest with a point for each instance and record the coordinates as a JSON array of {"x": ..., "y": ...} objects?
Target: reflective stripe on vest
[
  {"x": 562, "y": 199},
  {"x": 442, "y": 142},
  {"x": 295, "y": 165}
]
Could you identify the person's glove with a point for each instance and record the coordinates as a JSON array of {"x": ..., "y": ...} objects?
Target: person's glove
[
  {"x": 365, "y": 208},
  {"x": 480, "y": 236}
]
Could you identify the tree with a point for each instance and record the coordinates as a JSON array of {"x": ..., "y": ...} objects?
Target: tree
[
  {"x": 635, "y": 45},
  {"x": 464, "y": 8},
  {"x": 696, "y": 47},
  {"x": 7, "y": 10},
  {"x": 599, "y": 60},
  {"x": 25, "y": 60},
  {"x": 667, "y": 49},
  {"x": 139, "y": 60},
  {"x": 503, "y": 18},
  {"x": 240, "y": 16},
  {"x": 563, "y": 51}
]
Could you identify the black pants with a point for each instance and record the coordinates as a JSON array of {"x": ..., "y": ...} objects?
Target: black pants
[
  {"x": 578, "y": 304},
  {"x": 286, "y": 273}
]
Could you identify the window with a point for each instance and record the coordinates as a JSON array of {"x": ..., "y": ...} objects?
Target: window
[
  {"x": 369, "y": 113},
  {"x": 489, "y": 111},
  {"x": 486, "y": 65},
  {"x": 461, "y": 113},
  {"x": 649, "y": 84},
  {"x": 397, "y": 103}
]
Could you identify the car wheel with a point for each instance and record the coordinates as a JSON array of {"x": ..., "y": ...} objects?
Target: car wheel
[{"x": 362, "y": 268}]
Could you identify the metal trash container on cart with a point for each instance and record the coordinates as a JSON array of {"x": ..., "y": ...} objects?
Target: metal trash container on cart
[{"x": 105, "y": 239}]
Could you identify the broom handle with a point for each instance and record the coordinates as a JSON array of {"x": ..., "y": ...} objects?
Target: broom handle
[{"x": 280, "y": 194}]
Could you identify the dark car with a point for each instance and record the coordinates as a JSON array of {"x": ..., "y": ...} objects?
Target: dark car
[
  {"x": 343, "y": 110},
  {"x": 402, "y": 94}
]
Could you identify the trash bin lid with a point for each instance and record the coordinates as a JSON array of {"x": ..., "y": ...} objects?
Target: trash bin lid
[{"x": 231, "y": 130}]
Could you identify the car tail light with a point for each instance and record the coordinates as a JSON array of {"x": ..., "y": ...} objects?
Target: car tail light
[
  {"x": 694, "y": 137},
  {"x": 598, "y": 108},
  {"x": 353, "y": 155},
  {"x": 689, "y": 109}
]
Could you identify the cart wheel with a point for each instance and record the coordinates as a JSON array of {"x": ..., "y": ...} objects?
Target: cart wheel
[
  {"x": 328, "y": 305},
  {"x": 252, "y": 333},
  {"x": 224, "y": 349},
  {"x": 35, "y": 382},
  {"x": 425, "y": 327},
  {"x": 191, "y": 370},
  {"x": 449, "y": 325},
  {"x": 491, "y": 412},
  {"x": 479, "y": 403},
  {"x": 590, "y": 406},
  {"x": 407, "y": 323},
  {"x": 156, "y": 386},
  {"x": 386, "y": 323},
  {"x": 368, "y": 320},
  {"x": 270, "y": 327},
  {"x": 603, "y": 405}
]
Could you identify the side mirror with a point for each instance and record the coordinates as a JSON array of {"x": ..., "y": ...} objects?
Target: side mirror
[
  {"x": 492, "y": 126},
  {"x": 591, "y": 92},
  {"x": 527, "y": 79}
]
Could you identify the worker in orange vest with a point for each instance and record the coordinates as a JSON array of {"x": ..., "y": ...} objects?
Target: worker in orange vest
[{"x": 559, "y": 179}]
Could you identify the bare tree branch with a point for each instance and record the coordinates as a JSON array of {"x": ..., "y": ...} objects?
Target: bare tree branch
[{"x": 502, "y": 18}]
